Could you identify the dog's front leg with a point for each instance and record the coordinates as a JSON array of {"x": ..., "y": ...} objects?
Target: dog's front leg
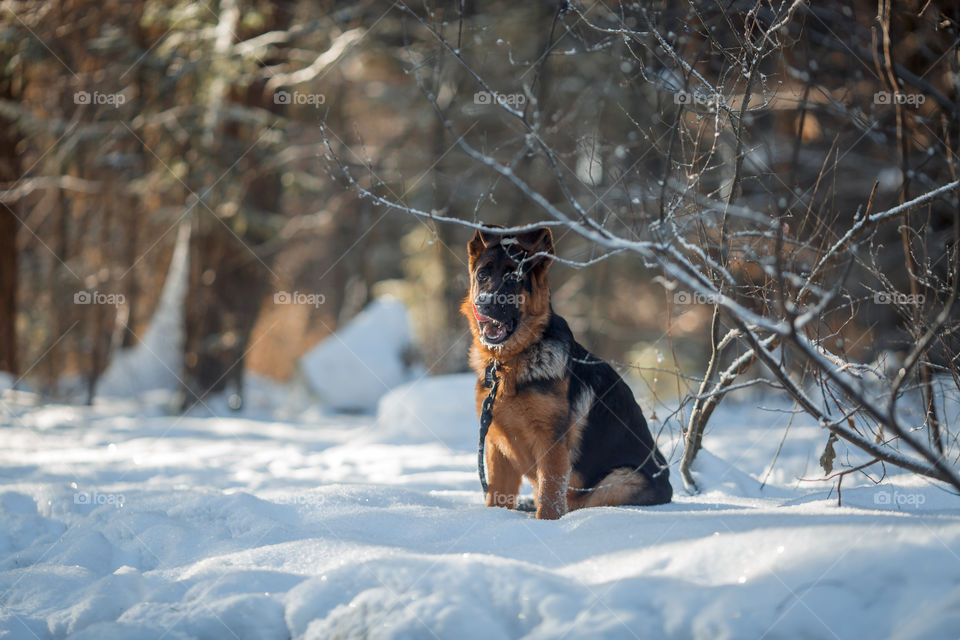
[
  {"x": 553, "y": 473},
  {"x": 503, "y": 486}
]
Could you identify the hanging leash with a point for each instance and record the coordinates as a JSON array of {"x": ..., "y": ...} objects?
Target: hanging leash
[{"x": 492, "y": 382}]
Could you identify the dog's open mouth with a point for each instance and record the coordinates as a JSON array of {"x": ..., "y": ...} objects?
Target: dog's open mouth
[{"x": 495, "y": 331}]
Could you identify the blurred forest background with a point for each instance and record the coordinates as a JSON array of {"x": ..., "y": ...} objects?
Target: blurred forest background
[{"x": 249, "y": 119}]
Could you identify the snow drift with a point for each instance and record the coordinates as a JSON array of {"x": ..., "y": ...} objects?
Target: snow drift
[{"x": 351, "y": 369}]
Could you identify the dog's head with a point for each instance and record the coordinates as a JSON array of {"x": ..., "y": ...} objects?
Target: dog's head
[{"x": 509, "y": 299}]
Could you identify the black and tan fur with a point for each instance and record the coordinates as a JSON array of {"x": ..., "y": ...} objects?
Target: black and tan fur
[{"x": 563, "y": 418}]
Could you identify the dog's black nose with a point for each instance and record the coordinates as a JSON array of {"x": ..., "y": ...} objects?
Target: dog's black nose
[
  {"x": 482, "y": 313},
  {"x": 485, "y": 303}
]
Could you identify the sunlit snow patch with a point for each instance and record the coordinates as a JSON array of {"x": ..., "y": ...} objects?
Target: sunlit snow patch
[{"x": 354, "y": 367}]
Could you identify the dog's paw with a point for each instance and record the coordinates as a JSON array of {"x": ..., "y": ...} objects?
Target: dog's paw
[
  {"x": 551, "y": 510},
  {"x": 549, "y": 514}
]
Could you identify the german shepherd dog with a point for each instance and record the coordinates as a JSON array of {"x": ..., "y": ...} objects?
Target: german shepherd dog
[{"x": 562, "y": 418}]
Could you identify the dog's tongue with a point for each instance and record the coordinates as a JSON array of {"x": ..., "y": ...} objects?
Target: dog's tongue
[
  {"x": 494, "y": 330},
  {"x": 480, "y": 317}
]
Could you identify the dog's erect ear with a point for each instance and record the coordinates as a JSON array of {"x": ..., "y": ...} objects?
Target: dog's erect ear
[
  {"x": 476, "y": 246},
  {"x": 482, "y": 240},
  {"x": 537, "y": 241}
]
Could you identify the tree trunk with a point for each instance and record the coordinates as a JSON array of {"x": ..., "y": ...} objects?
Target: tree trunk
[
  {"x": 228, "y": 280},
  {"x": 9, "y": 173},
  {"x": 8, "y": 289},
  {"x": 225, "y": 290}
]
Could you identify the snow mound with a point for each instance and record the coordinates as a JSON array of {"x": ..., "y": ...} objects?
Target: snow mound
[
  {"x": 429, "y": 410},
  {"x": 468, "y": 596},
  {"x": 354, "y": 367},
  {"x": 715, "y": 474}
]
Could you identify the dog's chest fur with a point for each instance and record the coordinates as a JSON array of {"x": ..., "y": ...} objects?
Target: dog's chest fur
[
  {"x": 544, "y": 361},
  {"x": 531, "y": 410}
]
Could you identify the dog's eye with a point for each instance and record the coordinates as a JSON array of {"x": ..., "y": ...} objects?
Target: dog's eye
[{"x": 483, "y": 275}]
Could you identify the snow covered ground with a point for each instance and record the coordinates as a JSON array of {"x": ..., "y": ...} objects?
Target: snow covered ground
[{"x": 121, "y": 521}]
